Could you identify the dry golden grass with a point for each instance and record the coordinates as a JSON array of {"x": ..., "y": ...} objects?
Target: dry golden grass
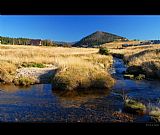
[
  {"x": 52, "y": 55},
  {"x": 7, "y": 71},
  {"x": 127, "y": 51},
  {"x": 18, "y": 54},
  {"x": 116, "y": 45},
  {"x": 82, "y": 76},
  {"x": 147, "y": 56},
  {"x": 77, "y": 65}
]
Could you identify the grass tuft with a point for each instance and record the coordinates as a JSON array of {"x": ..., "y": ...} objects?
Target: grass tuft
[
  {"x": 7, "y": 72},
  {"x": 24, "y": 81},
  {"x": 82, "y": 77},
  {"x": 133, "y": 106}
]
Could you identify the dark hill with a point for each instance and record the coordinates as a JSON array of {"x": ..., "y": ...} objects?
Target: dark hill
[{"x": 98, "y": 38}]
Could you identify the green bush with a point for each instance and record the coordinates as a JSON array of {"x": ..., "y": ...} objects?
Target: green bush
[{"x": 104, "y": 51}]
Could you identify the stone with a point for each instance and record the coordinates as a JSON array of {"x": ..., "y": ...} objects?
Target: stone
[{"x": 128, "y": 76}]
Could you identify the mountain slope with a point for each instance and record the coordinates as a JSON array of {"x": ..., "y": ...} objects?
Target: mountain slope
[{"x": 97, "y": 38}]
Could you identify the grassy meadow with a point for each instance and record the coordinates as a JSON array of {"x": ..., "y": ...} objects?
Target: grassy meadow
[
  {"x": 76, "y": 67},
  {"x": 147, "y": 57}
]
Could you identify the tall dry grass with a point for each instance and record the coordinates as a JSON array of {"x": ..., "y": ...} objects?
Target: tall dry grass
[
  {"x": 147, "y": 56},
  {"x": 19, "y": 54},
  {"x": 77, "y": 65},
  {"x": 118, "y": 44},
  {"x": 52, "y": 55},
  {"x": 82, "y": 76}
]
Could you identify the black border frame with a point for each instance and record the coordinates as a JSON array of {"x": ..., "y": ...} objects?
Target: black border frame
[{"x": 81, "y": 7}]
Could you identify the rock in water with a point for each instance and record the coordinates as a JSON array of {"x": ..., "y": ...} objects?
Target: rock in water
[
  {"x": 134, "y": 107},
  {"x": 128, "y": 76}
]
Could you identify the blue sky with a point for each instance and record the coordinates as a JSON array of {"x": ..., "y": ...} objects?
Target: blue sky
[{"x": 74, "y": 27}]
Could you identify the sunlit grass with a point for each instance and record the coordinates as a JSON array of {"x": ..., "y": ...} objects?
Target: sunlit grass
[
  {"x": 146, "y": 56},
  {"x": 83, "y": 67}
]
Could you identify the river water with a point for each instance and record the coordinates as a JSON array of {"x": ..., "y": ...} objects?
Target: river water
[
  {"x": 147, "y": 91},
  {"x": 39, "y": 103}
]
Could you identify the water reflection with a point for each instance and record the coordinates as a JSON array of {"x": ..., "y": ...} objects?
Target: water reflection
[
  {"x": 76, "y": 98},
  {"x": 10, "y": 88},
  {"x": 42, "y": 94},
  {"x": 40, "y": 103}
]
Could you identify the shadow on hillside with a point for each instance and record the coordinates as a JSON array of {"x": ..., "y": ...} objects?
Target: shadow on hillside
[{"x": 143, "y": 53}]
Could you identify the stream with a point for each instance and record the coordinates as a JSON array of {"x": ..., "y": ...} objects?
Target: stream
[
  {"x": 39, "y": 103},
  {"x": 144, "y": 90}
]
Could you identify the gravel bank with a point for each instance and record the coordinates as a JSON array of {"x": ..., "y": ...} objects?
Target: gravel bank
[{"x": 42, "y": 75}]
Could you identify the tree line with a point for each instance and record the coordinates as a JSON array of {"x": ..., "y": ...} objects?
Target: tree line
[{"x": 24, "y": 41}]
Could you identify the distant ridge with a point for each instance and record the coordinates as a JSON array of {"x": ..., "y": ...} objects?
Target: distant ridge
[
  {"x": 63, "y": 42},
  {"x": 97, "y": 38},
  {"x": 93, "y": 40}
]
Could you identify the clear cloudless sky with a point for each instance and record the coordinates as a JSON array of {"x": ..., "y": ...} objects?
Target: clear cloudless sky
[{"x": 74, "y": 27}]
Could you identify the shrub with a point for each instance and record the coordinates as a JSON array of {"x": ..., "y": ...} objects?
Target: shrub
[{"x": 104, "y": 51}]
